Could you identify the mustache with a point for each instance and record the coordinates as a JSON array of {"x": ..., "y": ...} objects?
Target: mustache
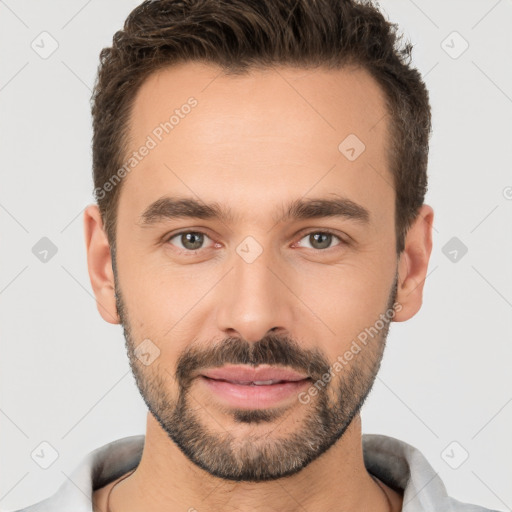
[{"x": 272, "y": 350}]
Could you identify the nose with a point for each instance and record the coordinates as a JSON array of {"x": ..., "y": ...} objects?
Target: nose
[{"x": 254, "y": 300}]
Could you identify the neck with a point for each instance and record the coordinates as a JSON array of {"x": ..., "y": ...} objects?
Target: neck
[{"x": 166, "y": 480}]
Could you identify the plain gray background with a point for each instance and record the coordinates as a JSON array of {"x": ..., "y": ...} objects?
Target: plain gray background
[{"x": 445, "y": 385}]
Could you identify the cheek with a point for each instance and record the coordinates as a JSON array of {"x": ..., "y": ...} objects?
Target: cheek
[
  {"x": 342, "y": 302},
  {"x": 165, "y": 305}
]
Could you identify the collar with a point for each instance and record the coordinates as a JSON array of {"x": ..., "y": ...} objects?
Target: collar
[{"x": 396, "y": 463}]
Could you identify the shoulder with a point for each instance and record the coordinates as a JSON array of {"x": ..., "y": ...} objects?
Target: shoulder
[
  {"x": 94, "y": 472},
  {"x": 405, "y": 469}
]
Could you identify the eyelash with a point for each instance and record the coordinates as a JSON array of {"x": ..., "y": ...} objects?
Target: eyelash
[{"x": 304, "y": 235}]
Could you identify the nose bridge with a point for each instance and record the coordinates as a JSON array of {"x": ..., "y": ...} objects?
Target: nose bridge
[{"x": 253, "y": 300}]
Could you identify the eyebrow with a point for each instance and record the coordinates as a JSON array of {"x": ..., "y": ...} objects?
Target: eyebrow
[{"x": 170, "y": 208}]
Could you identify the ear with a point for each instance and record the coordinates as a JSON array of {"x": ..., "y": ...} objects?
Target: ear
[
  {"x": 413, "y": 264},
  {"x": 99, "y": 264}
]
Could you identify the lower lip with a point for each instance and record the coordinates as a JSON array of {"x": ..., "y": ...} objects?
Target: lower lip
[{"x": 252, "y": 396}]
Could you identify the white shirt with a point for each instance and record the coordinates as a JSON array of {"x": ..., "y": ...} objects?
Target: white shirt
[{"x": 396, "y": 463}]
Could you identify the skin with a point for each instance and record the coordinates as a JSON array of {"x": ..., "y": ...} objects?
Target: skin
[{"x": 254, "y": 143}]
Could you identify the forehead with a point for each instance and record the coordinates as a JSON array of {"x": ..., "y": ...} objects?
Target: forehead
[{"x": 270, "y": 131}]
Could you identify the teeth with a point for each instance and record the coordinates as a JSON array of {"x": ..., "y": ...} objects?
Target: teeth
[{"x": 256, "y": 382}]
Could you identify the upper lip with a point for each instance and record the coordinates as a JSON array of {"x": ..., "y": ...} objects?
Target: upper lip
[{"x": 252, "y": 374}]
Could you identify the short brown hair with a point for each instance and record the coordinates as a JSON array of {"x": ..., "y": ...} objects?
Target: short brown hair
[{"x": 238, "y": 35}]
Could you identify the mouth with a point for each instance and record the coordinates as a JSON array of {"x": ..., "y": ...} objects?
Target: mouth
[
  {"x": 250, "y": 388},
  {"x": 262, "y": 375},
  {"x": 255, "y": 382}
]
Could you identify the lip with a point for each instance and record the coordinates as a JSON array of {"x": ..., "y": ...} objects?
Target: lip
[
  {"x": 250, "y": 396},
  {"x": 234, "y": 385},
  {"x": 244, "y": 374}
]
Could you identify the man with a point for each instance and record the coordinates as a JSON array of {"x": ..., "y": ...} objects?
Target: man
[{"x": 260, "y": 172}]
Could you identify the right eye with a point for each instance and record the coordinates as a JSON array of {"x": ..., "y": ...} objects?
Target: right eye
[{"x": 189, "y": 240}]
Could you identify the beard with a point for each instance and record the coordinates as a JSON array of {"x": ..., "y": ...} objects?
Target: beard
[{"x": 263, "y": 457}]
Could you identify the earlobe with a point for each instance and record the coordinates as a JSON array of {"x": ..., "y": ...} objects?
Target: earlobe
[
  {"x": 99, "y": 264},
  {"x": 413, "y": 264}
]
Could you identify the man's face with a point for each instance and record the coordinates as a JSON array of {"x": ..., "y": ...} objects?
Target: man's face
[{"x": 257, "y": 287}]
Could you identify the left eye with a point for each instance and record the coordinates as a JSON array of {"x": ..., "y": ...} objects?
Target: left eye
[
  {"x": 320, "y": 239},
  {"x": 189, "y": 240}
]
